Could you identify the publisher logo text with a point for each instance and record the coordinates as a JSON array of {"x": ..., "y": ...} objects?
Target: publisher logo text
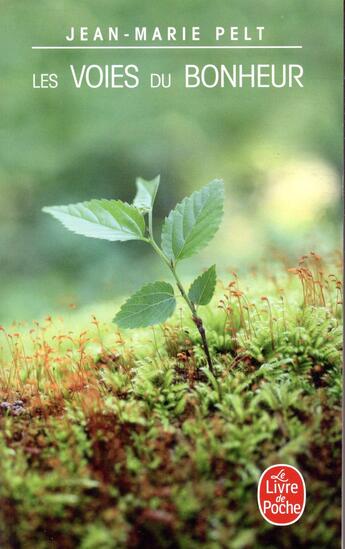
[{"x": 281, "y": 494}]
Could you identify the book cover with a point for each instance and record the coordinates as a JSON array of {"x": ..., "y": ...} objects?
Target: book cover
[{"x": 171, "y": 274}]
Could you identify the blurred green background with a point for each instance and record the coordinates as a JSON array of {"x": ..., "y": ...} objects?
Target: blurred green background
[{"x": 278, "y": 151}]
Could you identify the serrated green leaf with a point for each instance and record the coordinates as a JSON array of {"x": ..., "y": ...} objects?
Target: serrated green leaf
[
  {"x": 105, "y": 219},
  {"x": 146, "y": 193},
  {"x": 192, "y": 224},
  {"x": 152, "y": 304},
  {"x": 202, "y": 289}
]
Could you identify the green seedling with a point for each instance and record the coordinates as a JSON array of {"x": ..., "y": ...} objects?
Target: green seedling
[{"x": 188, "y": 228}]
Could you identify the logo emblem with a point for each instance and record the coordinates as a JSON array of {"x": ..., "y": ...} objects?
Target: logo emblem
[{"x": 281, "y": 494}]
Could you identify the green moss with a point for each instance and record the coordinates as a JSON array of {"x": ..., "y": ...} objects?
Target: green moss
[{"x": 126, "y": 442}]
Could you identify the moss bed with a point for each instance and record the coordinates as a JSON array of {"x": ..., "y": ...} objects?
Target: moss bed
[{"x": 113, "y": 440}]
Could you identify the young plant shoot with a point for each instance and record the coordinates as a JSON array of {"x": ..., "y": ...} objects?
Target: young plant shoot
[{"x": 188, "y": 228}]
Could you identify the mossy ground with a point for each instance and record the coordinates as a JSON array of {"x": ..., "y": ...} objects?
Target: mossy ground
[{"x": 113, "y": 440}]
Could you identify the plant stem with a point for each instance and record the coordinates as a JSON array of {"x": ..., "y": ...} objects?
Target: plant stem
[
  {"x": 196, "y": 319},
  {"x": 199, "y": 324}
]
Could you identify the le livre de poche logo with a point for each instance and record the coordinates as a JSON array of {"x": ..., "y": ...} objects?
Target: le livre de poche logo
[{"x": 281, "y": 494}]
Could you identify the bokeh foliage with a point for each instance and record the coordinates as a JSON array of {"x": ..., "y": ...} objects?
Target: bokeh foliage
[{"x": 65, "y": 145}]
